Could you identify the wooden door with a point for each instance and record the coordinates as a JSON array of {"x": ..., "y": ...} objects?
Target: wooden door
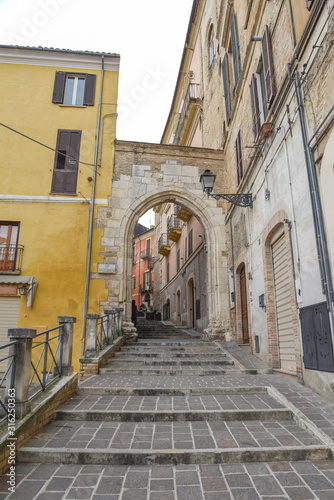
[{"x": 244, "y": 309}]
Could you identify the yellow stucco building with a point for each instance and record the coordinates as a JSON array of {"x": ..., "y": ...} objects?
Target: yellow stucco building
[{"x": 58, "y": 123}]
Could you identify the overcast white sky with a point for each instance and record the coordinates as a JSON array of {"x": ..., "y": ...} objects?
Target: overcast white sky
[{"x": 149, "y": 35}]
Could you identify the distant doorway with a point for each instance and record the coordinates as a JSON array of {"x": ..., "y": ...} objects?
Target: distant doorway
[
  {"x": 190, "y": 303},
  {"x": 244, "y": 306}
]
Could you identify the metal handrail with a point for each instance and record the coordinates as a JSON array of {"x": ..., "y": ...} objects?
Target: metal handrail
[
  {"x": 102, "y": 334},
  {"x": 43, "y": 378}
]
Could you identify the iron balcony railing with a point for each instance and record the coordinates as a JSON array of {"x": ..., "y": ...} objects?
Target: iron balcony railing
[
  {"x": 145, "y": 254},
  {"x": 173, "y": 222},
  {"x": 11, "y": 258},
  {"x": 193, "y": 94},
  {"x": 146, "y": 287}
]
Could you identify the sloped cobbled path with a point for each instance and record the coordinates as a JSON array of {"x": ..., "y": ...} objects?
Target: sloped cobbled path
[{"x": 175, "y": 418}]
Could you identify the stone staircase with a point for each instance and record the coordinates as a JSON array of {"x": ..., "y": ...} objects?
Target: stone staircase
[
  {"x": 171, "y": 407},
  {"x": 148, "y": 329}
]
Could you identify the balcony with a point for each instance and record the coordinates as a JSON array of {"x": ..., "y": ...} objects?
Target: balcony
[
  {"x": 150, "y": 263},
  {"x": 163, "y": 245},
  {"x": 184, "y": 214},
  {"x": 191, "y": 106},
  {"x": 173, "y": 228},
  {"x": 146, "y": 287},
  {"x": 11, "y": 259},
  {"x": 145, "y": 254}
]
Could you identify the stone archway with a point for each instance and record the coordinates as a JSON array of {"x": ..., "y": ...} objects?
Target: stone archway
[{"x": 146, "y": 175}]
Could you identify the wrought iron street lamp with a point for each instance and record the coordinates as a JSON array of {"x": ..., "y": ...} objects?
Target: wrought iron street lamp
[{"x": 207, "y": 180}]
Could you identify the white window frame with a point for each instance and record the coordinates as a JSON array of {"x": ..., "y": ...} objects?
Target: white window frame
[{"x": 75, "y": 89}]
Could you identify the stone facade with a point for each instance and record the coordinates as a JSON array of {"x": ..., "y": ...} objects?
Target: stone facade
[{"x": 146, "y": 175}]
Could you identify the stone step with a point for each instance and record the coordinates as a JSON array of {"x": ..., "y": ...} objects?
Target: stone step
[
  {"x": 169, "y": 369},
  {"x": 171, "y": 457},
  {"x": 172, "y": 416},
  {"x": 172, "y": 362},
  {"x": 194, "y": 441},
  {"x": 164, "y": 354},
  {"x": 182, "y": 391}
]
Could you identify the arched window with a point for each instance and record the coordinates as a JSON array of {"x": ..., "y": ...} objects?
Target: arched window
[{"x": 211, "y": 48}]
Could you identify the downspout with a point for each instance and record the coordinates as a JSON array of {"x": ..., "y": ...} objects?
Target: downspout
[
  {"x": 316, "y": 203},
  {"x": 292, "y": 25},
  {"x": 91, "y": 211}
]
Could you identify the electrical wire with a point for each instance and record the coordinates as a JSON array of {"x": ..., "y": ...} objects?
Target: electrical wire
[{"x": 89, "y": 165}]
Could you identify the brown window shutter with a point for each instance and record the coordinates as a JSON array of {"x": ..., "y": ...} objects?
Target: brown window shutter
[
  {"x": 255, "y": 107},
  {"x": 59, "y": 87},
  {"x": 268, "y": 66},
  {"x": 72, "y": 161},
  {"x": 65, "y": 170},
  {"x": 239, "y": 157},
  {"x": 235, "y": 50},
  {"x": 227, "y": 90},
  {"x": 89, "y": 95}
]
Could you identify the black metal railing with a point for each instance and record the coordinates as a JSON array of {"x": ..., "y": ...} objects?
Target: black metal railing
[
  {"x": 145, "y": 254},
  {"x": 173, "y": 222},
  {"x": 146, "y": 287},
  {"x": 11, "y": 258},
  {"x": 9, "y": 358},
  {"x": 102, "y": 332},
  {"x": 48, "y": 365},
  {"x": 163, "y": 241}
]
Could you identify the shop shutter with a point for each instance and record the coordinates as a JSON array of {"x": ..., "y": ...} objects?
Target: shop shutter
[
  {"x": 284, "y": 318},
  {"x": 9, "y": 316},
  {"x": 268, "y": 67}
]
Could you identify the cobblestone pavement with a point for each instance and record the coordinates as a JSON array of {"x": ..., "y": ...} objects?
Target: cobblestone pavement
[{"x": 246, "y": 408}]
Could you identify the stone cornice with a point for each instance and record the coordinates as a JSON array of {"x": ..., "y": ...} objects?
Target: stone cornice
[{"x": 58, "y": 58}]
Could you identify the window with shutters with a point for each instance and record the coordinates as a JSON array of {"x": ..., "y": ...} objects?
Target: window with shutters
[
  {"x": 231, "y": 67},
  {"x": 178, "y": 260},
  {"x": 211, "y": 49},
  {"x": 65, "y": 169},
  {"x": 74, "y": 89},
  {"x": 235, "y": 51},
  {"x": 262, "y": 87},
  {"x": 10, "y": 251},
  {"x": 190, "y": 243},
  {"x": 167, "y": 272},
  {"x": 239, "y": 157},
  {"x": 133, "y": 282}
]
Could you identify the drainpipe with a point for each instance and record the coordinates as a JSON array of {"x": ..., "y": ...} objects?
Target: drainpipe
[
  {"x": 91, "y": 211},
  {"x": 293, "y": 222},
  {"x": 292, "y": 25},
  {"x": 316, "y": 203}
]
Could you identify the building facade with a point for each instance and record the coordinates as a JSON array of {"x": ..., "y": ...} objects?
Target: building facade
[
  {"x": 142, "y": 266},
  {"x": 58, "y": 127},
  {"x": 265, "y": 73}
]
